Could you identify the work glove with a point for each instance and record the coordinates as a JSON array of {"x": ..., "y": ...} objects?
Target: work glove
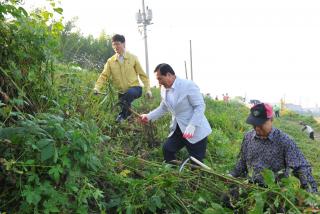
[
  {"x": 149, "y": 94},
  {"x": 144, "y": 118},
  {"x": 189, "y": 132}
]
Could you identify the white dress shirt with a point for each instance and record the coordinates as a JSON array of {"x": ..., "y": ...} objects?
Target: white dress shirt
[{"x": 170, "y": 95}]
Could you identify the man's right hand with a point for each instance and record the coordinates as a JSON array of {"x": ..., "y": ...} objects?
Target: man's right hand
[
  {"x": 144, "y": 118},
  {"x": 149, "y": 94},
  {"x": 96, "y": 91}
]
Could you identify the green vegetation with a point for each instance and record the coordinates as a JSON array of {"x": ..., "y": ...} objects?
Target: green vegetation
[
  {"x": 62, "y": 152},
  {"x": 86, "y": 52}
]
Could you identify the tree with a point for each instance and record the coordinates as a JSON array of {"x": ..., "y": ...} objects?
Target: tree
[{"x": 87, "y": 52}]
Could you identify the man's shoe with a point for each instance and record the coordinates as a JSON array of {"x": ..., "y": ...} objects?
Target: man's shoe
[{"x": 119, "y": 119}]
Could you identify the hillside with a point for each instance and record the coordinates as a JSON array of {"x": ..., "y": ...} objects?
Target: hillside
[
  {"x": 72, "y": 151},
  {"x": 62, "y": 152}
]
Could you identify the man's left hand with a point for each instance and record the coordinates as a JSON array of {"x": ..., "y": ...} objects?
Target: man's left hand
[{"x": 189, "y": 132}]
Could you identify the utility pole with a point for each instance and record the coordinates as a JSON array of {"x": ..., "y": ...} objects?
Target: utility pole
[
  {"x": 143, "y": 20},
  {"x": 191, "y": 70},
  {"x": 185, "y": 68}
]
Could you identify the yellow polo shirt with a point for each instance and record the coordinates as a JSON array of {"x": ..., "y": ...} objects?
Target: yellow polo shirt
[{"x": 124, "y": 75}]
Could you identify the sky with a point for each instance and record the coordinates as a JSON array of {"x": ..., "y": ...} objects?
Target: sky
[{"x": 264, "y": 50}]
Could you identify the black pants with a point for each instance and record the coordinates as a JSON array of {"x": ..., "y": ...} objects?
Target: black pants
[
  {"x": 127, "y": 98},
  {"x": 277, "y": 113},
  {"x": 311, "y": 135},
  {"x": 177, "y": 142}
]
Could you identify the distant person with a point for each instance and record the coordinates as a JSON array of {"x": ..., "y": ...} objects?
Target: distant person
[
  {"x": 189, "y": 127},
  {"x": 217, "y": 98},
  {"x": 125, "y": 70},
  {"x": 254, "y": 102},
  {"x": 244, "y": 99},
  {"x": 276, "y": 109},
  {"x": 269, "y": 147},
  {"x": 226, "y": 98},
  {"x": 308, "y": 129}
]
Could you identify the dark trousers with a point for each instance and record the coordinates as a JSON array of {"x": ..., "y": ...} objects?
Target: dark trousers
[
  {"x": 277, "y": 113},
  {"x": 311, "y": 135},
  {"x": 127, "y": 98},
  {"x": 177, "y": 142}
]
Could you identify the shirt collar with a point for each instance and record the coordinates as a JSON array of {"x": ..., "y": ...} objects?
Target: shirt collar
[
  {"x": 270, "y": 136},
  {"x": 173, "y": 85},
  {"x": 124, "y": 55}
]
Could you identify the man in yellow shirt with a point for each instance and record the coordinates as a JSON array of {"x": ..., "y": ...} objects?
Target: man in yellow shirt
[{"x": 124, "y": 69}]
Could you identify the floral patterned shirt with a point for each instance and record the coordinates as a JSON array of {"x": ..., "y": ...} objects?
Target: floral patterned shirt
[{"x": 277, "y": 152}]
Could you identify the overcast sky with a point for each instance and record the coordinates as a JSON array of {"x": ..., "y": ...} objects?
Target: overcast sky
[{"x": 263, "y": 50}]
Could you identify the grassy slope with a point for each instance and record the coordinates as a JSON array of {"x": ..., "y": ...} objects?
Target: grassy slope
[
  {"x": 119, "y": 167},
  {"x": 227, "y": 121},
  {"x": 133, "y": 139}
]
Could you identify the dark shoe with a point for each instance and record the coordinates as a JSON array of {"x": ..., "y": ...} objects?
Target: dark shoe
[{"x": 119, "y": 119}]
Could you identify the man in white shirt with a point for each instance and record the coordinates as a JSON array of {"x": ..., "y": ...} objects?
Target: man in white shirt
[
  {"x": 308, "y": 129},
  {"x": 189, "y": 127}
]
